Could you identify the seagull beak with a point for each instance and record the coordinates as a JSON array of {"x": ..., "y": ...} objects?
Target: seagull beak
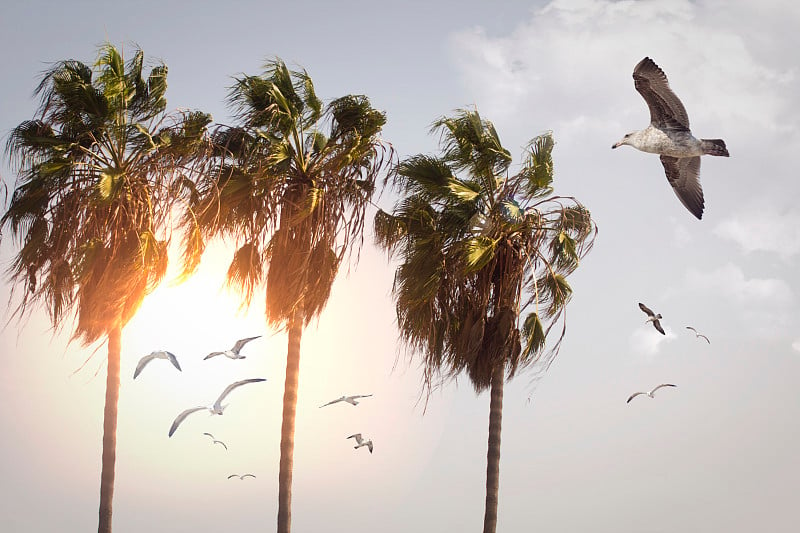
[{"x": 616, "y": 145}]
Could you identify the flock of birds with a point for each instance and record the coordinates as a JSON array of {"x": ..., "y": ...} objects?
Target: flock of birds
[
  {"x": 217, "y": 408},
  {"x": 654, "y": 318},
  {"x": 668, "y": 135}
]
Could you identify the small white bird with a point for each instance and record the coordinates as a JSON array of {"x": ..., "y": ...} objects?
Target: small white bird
[
  {"x": 157, "y": 354},
  {"x": 361, "y": 442},
  {"x": 241, "y": 477},
  {"x": 233, "y": 353},
  {"x": 653, "y": 318},
  {"x": 349, "y": 399},
  {"x": 215, "y": 441},
  {"x": 696, "y": 334},
  {"x": 635, "y": 394},
  {"x": 215, "y": 409}
]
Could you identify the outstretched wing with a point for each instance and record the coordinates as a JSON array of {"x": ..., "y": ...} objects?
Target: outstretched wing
[
  {"x": 691, "y": 328},
  {"x": 331, "y": 402},
  {"x": 634, "y": 395},
  {"x": 229, "y": 388},
  {"x": 662, "y": 385},
  {"x": 357, "y": 436},
  {"x": 212, "y": 354},
  {"x": 142, "y": 362},
  {"x": 173, "y": 360},
  {"x": 646, "y": 309},
  {"x": 361, "y": 396},
  {"x": 704, "y": 337},
  {"x": 248, "y": 475},
  {"x": 683, "y": 173},
  {"x": 209, "y": 434},
  {"x": 181, "y": 417},
  {"x": 666, "y": 110},
  {"x": 220, "y": 442},
  {"x": 241, "y": 342},
  {"x": 657, "y": 325},
  {"x": 234, "y": 475},
  {"x": 369, "y": 445}
]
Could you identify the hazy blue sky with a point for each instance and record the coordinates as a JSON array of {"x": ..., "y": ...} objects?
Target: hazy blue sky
[{"x": 719, "y": 453}]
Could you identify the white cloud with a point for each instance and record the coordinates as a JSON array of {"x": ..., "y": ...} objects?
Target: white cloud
[
  {"x": 731, "y": 282},
  {"x": 796, "y": 345},
  {"x": 763, "y": 231},
  {"x": 647, "y": 341},
  {"x": 569, "y": 66}
]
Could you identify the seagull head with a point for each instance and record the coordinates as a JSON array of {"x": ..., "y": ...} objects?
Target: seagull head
[{"x": 624, "y": 140}]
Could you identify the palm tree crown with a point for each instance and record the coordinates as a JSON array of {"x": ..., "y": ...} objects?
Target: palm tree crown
[
  {"x": 92, "y": 197},
  {"x": 292, "y": 195},
  {"x": 478, "y": 250}
]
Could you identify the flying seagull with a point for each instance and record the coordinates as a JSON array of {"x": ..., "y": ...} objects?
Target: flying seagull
[
  {"x": 216, "y": 408},
  {"x": 653, "y": 318},
  {"x": 240, "y": 477},
  {"x": 349, "y": 399},
  {"x": 158, "y": 354},
  {"x": 696, "y": 334},
  {"x": 361, "y": 442},
  {"x": 215, "y": 441},
  {"x": 669, "y": 135},
  {"x": 233, "y": 353},
  {"x": 635, "y": 394}
]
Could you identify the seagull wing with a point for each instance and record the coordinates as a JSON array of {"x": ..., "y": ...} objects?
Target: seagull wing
[
  {"x": 646, "y": 309},
  {"x": 357, "y": 436},
  {"x": 213, "y": 354},
  {"x": 331, "y": 402},
  {"x": 248, "y": 475},
  {"x": 234, "y": 475},
  {"x": 210, "y": 435},
  {"x": 683, "y": 173},
  {"x": 662, "y": 385},
  {"x": 220, "y": 442},
  {"x": 706, "y": 338},
  {"x": 361, "y": 396},
  {"x": 369, "y": 445},
  {"x": 183, "y": 416},
  {"x": 173, "y": 360},
  {"x": 666, "y": 110},
  {"x": 229, "y": 388},
  {"x": 142, "y": 362},
  {"x": 657, "y": 325},
  {"x": 241, "y": 342},
  {"x": 634, "y": 395},
  {"x": 691, "y": 328}
]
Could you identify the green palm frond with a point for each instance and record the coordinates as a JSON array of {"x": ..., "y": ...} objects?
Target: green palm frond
[
  {"x": 537, "y": 171},
  {"x": 478, "y": 252}
]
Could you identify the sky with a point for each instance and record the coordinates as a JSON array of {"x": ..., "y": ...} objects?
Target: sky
[{"x": 717, "y": 453}]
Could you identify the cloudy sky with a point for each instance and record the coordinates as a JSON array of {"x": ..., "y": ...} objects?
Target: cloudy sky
[{"x": 718, "y": 453}]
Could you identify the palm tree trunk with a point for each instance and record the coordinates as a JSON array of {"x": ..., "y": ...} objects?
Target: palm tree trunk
[
  {"x": 493, "y": 454},
  {"x": 110, "y": 430},
  {"x": 287, "y": 427}
]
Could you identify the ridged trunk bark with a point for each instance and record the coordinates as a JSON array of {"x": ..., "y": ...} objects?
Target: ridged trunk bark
[
  {"x": 110, "y": 431},
  {"x": 493, "y": 453},
  {"x": 287, "y": 427}
]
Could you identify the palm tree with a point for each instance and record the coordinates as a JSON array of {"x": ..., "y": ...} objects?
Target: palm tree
[
  {"x": 293, "y": 198},
  {"x": 479, "y": 248},
  {"x": 91, "y": 202}
]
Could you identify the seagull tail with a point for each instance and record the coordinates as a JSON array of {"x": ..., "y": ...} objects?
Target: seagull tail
[{"x": 714, "y": 147}]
